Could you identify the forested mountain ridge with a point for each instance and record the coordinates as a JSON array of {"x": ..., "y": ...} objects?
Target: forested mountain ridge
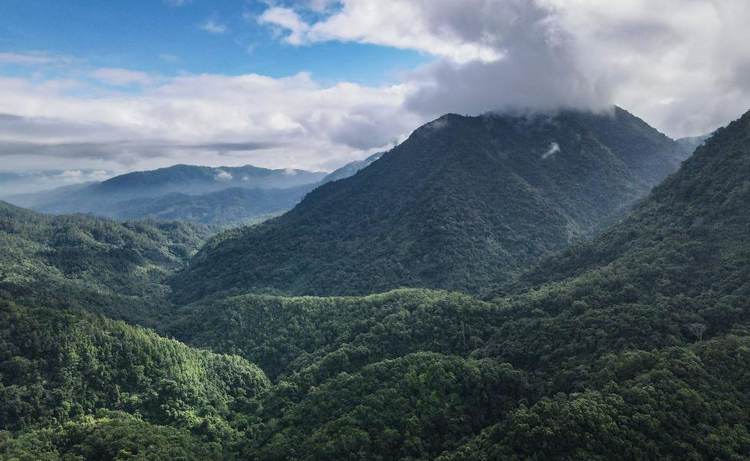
[
  {"x": 463, "y": 203},
  {"x": 229, "y": 207},
  {"x": 699, "y": 214},
  {"x": 642, "y": 354},
  {"x": 632, "y": 346},
  {"x": 227, "y": 196},
  {"x": 93, "y": 264}
]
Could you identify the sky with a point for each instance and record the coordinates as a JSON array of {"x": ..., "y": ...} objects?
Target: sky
[{"x": 92, "y": 88}]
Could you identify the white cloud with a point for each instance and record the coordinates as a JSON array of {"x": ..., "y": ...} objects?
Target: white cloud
[
  {"x": 553, "y": 149},
  {"x": 124, "y": 77},
  {"x": 32, "y": 58},
  {"x": 680, "y": 64},
  {"x": 168, "y": 57},
  {"x": 224, "y": 176},
  {"x": 200, "y": 119},
  {"x": 212, "y": 26},
  {"x": 396, "y": 23},
  {"x": 287, "y": 20}
]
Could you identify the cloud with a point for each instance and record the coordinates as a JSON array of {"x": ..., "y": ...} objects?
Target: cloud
[
  {"x": 680, "y": 64},
  {"x": 224, "y": 176},
  {"x": 212, "y": 26},
  {"x": 395, "y": 23},
  {"x": 124, "y": 77},
  {"x": 33, "y": 58},
  {"x": 22, "y": 182},
  {"x": 553, "y": 149},
  {"x": 202, "y": 119}
]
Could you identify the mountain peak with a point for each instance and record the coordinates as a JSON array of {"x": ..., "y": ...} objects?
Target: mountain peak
[{"x": 463, "y": 202}]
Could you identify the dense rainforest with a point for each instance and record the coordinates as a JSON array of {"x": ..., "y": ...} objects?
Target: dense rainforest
[
  {"x": 118, "y": 269},
  {"x": 632, "y": 345}
]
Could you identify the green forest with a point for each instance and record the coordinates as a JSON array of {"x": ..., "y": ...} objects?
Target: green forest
[{"x": 623, "y": 335}]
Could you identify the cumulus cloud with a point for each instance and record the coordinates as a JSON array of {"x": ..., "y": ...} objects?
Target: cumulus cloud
[
  {"x": 680, "y": 64},
  {"x": 209, "y": 119},
  {"x": 422, "y": 25},
  {"x": 224, "y": 176}
]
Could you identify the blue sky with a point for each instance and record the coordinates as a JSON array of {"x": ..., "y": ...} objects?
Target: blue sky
[
  {"x": 92, "y": 88},
  {"x": 159, "y": 36}
]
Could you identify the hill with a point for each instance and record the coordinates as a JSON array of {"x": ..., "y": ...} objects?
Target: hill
[
  {"x": 57, "y": 367},
  {"x": 464, "y": 202},
  {"x": 98, "y": 265}
]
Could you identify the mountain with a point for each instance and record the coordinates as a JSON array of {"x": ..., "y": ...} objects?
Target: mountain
[
  {"x": 107, "y": 198},
  {"x": 690, "y": 144},
  {"x": 228, "y": 207},
  {"x": 463, "y": 203},
  {"x": 213, "y": 196},
  {"x": 350, "y": 169},
  {"x": 98, "y": 265},
  {"x": 631, "y": 346}
]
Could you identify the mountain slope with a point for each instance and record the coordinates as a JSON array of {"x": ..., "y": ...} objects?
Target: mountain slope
[
  {"x": 116, "y": 197},
  {"x": 350, "y": 169},
  {"x": 93, "y": 264},
  {"x": 465, "y": 201},
  {"x": 695, "y": 224},
  {"x": 633, "y": 346},
  {"x": 690, "y": 144},
  {"x": 228, "y": 207},
  {"x": 214, "y": 196},
  {"x": 61, "y": 365}
]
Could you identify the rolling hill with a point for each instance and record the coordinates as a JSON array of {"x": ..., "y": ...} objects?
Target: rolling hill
[{"x": 98, "y": 265}]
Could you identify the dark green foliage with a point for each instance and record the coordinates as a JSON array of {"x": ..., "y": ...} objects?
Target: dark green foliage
[
  {"x": 318, "y": 336},
  {"x": 687, "y": 403},
  {"x": 463, "y": 203},
  {"x": 97, "y": 265},
  {"x": 633, "y": 346},
  {"x": 413, "y": 407},
  {"x": 60, "y": 365},
  {"x": 111, "y": 436}
]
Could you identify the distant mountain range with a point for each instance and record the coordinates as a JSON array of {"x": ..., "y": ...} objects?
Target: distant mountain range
[
  {"x": 224, "y": 196},
  {"x": 463, "y": 203}
]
